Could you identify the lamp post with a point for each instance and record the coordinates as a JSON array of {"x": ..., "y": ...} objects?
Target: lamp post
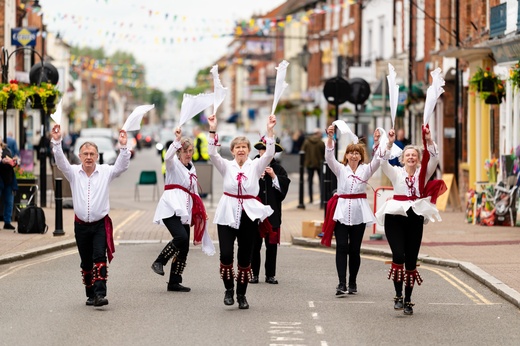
[{"x": 304, "y": 58}]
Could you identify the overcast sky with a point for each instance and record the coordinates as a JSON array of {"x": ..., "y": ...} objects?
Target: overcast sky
[{"x": 172, "y": 38}]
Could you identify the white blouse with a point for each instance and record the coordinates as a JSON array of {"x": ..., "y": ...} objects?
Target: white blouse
[
  {"x": 357, "y": 210},
  {"x": 176, "y": 201},
  {"x": 398, "y": 176},
  {"x": 229, "y": 209}
]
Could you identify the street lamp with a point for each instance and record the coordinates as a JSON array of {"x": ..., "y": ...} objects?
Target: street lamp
[{"x": 304, "y": 57}]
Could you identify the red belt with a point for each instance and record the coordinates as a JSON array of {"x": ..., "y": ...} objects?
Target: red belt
[
  {"x": 353, "y": 196},
  {"x": 265, "y": 227},
  {"x": 405, "y": 198}
]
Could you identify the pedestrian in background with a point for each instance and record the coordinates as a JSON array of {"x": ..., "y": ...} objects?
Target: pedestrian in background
[
  {"x": 404, "y": 215},
  {"x": 179, "y": 207},
  {"x": 348, "y": 211},
  {"x": 274, "y": 184},
  {"x": 239, "y": 211},
  {"x": 93, "y": 228},
  {"x": 314, "y": 149},
  {"x": 12, "y": 145},
  {"x": 8, "y": 184},
  {"x": 200, "y": 146}
]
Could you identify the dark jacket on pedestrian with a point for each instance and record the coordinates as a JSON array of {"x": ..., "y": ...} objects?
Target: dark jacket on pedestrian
[
  {"x": 271, "y": 195},
  {"x": 314, "y": 149}
]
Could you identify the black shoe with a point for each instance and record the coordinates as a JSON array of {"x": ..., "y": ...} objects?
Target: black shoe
[
  {"x": 242, "y": 301},
  {"x": 408, "y": 308},
  {"x": 157, "y": 267},
  {"x": 398, "y": 303},
  {"x": 178, "y": 288},
  {"x": 228, "y": 297},
  {"x": 8, "y": 226},
  {"x": 90, "y": 301},
  {"x": 352, "y": 288},
  {"x": 254, "y": 280},
  {"x": 271, "y": 280},
  {"x": 341, "y": 289},
  {"x": 100, "y": 301}
]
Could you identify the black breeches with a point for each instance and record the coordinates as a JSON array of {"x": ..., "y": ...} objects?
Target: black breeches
[
  {"x": 245, "y": 236},
  {"x": 404, "y": 235},
  {"x": 181, "y": 235},
  {"x": 271, "y": 251}
]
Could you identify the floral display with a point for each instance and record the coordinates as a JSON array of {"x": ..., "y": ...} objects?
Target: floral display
[
  {"x": 492, "y": 169},
  {"x": 490, "y": 87},
  {"x": 23, "y": 174},
  {"x": 15, "y": 95}
]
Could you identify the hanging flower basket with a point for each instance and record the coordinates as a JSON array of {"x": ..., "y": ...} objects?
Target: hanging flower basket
[
  {"x": 488, "y": 85},
  {"x": 13, "y": 95},
  {"x": 494, "y": 98},
  {"x": 44, "y": 97},
  {"x": 514, "y": 76}
]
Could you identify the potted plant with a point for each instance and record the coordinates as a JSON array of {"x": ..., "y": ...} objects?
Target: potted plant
[
  {"x": 44, "y": 96},
  {"x": 23, "y": 176},
  {"x": 13, "y": 95}
]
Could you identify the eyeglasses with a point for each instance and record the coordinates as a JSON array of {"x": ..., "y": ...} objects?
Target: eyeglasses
[
  {"x": 354, "y": 153},
  {"x": 88, "y": 154}
]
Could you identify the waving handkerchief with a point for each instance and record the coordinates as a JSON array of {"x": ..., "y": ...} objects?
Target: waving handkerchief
[
  {"x": 207, "y": 244},
  {"x": 393, "y": 92},
  {"x": 133, "y": 122},
  {"x": 432, "y": 94},
  {"x": 56, "y": 116},
  {"x": 344, "y": 129},
  {"x": 383, "y": 141},
  {"x": 193, "y": 105},
  {"x": 219, "y": 90},
  {"x": 280, "y": 85}
]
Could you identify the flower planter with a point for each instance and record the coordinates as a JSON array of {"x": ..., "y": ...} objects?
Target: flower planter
[
  {"x": 487, "y": 85},
  {"x": 494, "y": 99},
  {"x": 49, "y": 105}
]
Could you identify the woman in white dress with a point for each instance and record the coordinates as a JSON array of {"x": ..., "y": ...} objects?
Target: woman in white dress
[
  {"x": 179, "y": 207},
  {"x": 239, "y": 210},
  {"x": 404, "y": 216},
  {"x": 348, "y": 211}
]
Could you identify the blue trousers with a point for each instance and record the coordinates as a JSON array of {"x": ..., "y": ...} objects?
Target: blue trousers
[{"x": 6, "y": 190}]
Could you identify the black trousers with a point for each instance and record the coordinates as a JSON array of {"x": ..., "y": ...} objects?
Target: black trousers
[
  {"x": 245, "y": 236},
  {"x": 310, "y": 178},
  {"x": 348, "y": 244},
  {"x": 91, "y": 240},
  {"x": 271, "y": 251}
]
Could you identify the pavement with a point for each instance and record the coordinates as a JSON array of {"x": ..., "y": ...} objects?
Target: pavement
[{"x": 489, "y": 254}]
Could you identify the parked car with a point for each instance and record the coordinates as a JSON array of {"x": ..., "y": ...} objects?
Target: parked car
[{"x": 105, "y": 145}]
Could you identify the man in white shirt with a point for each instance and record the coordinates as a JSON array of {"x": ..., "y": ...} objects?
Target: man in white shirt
[{"x": 89, "y": 182}]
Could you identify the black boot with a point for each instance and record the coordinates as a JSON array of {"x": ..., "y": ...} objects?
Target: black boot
[
  {"x": 352, "y": 288},
  {"x": 408, "y": 308},
  {"x": 254, "y": 279},
  {"x": 176, "y": 287},
  {"x": 341, "y": 289},
  {"x": 228, "y": 297},
  {"x": 157, "y": 267},
  {"x": 398, "y": 303},
  {"x": 100, "y": 301},
  {"x": 242, "y": 301}
]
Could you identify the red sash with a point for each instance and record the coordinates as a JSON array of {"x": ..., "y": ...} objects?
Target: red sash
[
  {"x": 404, "y": 198},
  {"x": 198, "y": 213},
  {"x": 265, "y": 228},
  {"x": 109, "y": 229},
  {"x": 329, "y": 224}
]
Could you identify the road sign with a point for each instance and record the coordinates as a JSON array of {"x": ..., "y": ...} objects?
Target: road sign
[{"x": 22, "y": 37}]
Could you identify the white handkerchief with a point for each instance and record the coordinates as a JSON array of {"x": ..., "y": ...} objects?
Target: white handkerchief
[
  {"x": 220, "y": 91},
  {"x": 207, "y": 244},
  {"x": 56, "y": 116},
  {"x": 393, "y": 92},
  {"x": 383, "y": 141},
  {"x": 280, "y": 85},
  {"x": 344, "y": 129},
  {"x": 432, "y": 94},
  {"x": 193, "y": 105},
  {"x": 133, "y": 122}
]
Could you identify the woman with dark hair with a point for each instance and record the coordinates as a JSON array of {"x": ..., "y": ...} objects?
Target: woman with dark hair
[
  {"x": 348, "y": 211},
  {"x": 179, "y": 207},
  {"x": 404, "y": 216},
  {"x": 239, "y": 211}
]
